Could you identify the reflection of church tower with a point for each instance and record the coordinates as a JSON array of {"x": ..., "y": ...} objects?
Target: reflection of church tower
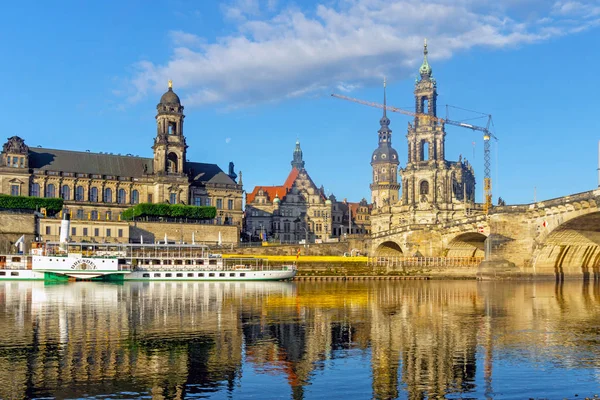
[
  {"x": 169, "y": 145},
  {"x": 297, "y": 161},
  {"x": 384, "y": 189},
  {"x": 429, "y": 181}
]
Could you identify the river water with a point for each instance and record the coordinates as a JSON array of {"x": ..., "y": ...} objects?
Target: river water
[{"x": 305, "y": 340}]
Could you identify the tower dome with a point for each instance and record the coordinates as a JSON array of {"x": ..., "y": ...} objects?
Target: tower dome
[{"x": 170, "y": 98}]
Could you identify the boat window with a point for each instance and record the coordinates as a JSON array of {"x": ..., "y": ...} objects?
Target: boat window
[
  {"x": 146, "y": 276},
  {"x": 199, "y": 262},
  {"x": 16, "y": 259},
  {"x": 188, "y": 262},
  {"x": 157, "y": 275},
  {"x": 201, "y": 275},
  {"x": 211, "y": 274},
  {"x": 2, "y": 273},
  {"x": 232, "y": 274},
  {"x": 180, "y": 275},
  {"x": 190, "y": 275},
  {"x": 178, "y": 262},
  {"x": 168, "y": 275},
  {"x": 212, "y": 262},
  {"x": 222, "y": 274},
  {"x": 242, "y": 274},
  {"x": 14, "y": 273}
]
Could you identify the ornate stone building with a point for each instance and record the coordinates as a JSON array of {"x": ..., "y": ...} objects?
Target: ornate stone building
[
  {"x": 299, "y": 210},
  {"x": 433, "y": 189},
  {"x": 97, "y": 186}
]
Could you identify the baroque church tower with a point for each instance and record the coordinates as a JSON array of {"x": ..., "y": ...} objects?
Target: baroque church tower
[
  {"x": 169, "y": 145},
  {"x": 432, "y": 185},
  {"x": 384, "y": 161}
]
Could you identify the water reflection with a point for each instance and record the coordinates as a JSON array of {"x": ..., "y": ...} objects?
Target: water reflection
[{"x": 298, "y": 340}]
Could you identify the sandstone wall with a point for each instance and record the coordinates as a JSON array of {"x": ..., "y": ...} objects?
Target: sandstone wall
[
  {"x": 209, "y": 234},
  {"x": 12, "y": 226}
]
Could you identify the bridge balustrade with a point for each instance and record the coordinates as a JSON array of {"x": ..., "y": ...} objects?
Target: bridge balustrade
[{"x": 423, "y": 262}]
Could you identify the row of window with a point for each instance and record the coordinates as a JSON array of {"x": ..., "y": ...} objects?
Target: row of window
[
  {"x": 85, "y": 231},
  {"x": 191, "y": 275},
  {"x": 208, "y": 202},
  {"x": 17, "y": 162},
  {"x": 65, "y": 193}
]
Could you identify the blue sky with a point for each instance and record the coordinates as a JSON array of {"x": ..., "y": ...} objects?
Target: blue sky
[{"x": 254, "y": 76}]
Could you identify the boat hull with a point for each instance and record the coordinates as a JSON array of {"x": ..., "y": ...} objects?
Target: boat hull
[
  {"x": 29, "y": 275},
  {"x": 212, "y": 275}
]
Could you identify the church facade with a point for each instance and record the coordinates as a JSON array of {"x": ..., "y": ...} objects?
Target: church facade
[
  {"x": 98, "y": 187},
  {"x": 300, "y": 211},
  {"x": 433, "y": 189}
]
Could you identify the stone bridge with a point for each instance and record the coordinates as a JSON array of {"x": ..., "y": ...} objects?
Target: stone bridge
[{"x": 553, "y": 238}]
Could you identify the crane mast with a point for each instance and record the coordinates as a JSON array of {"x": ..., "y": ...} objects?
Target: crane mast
[{"x": 487, "y": 135}]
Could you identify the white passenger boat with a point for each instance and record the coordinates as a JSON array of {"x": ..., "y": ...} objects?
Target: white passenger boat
[{"x": 141, "y": 262}]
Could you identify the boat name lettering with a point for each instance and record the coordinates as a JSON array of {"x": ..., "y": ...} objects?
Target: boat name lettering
[{"x": 83, "y": 265}]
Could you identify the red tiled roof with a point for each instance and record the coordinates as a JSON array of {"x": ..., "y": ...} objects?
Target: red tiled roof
[
  {"x": 354, "y": 208},
  {"x": 291, "y": 178},
  {"x": 271, "y": 191}
]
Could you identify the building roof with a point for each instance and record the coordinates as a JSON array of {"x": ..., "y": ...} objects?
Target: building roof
[
  {"x": 222, "y": 178},
  {"x": 170, "y": 97},
  {"x": 202, "y": 172},
  {"x": 88, "y": 163},
  {"x": 272, "y": 191},
  {"x": 117, "y": 165}
]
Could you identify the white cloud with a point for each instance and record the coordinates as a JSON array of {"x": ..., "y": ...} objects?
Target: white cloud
[
  {"x": 227, "y": 140},
  {"x": 180, "y": 38},
  {"x": 293, "y": 52},
  {"x": 588, "y": 9}
]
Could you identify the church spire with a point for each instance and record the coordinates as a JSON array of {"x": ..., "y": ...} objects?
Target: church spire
[
  {"x": 384, "y": 102},
  {"x": 385, "y": 133},
  {"x": 297, "y": 161},
  {"x": 425, "y": 69}
]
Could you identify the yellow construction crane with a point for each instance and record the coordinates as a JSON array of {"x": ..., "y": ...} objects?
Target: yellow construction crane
[{"x": 487, "y": 135}]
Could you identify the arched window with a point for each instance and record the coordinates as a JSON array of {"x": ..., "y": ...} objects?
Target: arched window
[
  {"x": 94, "y": 194},
  {"x": 108, "y": 195},
  {"x": 135, "y": 197},
  {"x": 172, "y": 163},
  {"x": 79, "y": 193},
  {"x": 121, "y": 196},
  {"x": 425, "y": 104},
  {"x": 424, "y": 187},
  {"x": 65, "y": 192},
  {"x": 35, "y": 189},
  {"x": 50, "y": 190}
]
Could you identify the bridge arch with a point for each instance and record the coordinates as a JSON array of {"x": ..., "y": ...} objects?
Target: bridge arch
[
  {"x": 388, "y": 249},
  {"x": 572, "y": 248},
  {"x": 469, "y": 244}
]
